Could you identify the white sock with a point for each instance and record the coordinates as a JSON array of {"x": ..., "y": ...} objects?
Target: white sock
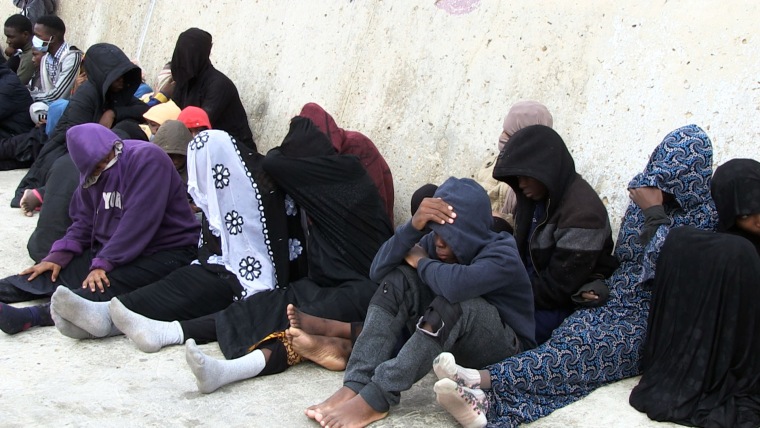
[
  {"x": 445, "y": 367},
  {"x": 93, "y": 317},
  {"x": 468, "y": 406},
  {"x": 149, "y": 335},
  {"x": 68, "y": 329},
  {"x": 211, "y": 374}
]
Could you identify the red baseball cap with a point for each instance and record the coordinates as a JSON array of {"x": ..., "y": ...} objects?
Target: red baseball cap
[{"x": 194, "y": 117}]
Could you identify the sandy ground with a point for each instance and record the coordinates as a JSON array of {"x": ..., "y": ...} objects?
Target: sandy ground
[{"x": 47, "y": 379}]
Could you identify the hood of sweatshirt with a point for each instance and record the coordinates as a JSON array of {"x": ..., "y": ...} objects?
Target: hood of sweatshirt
[
  {"x": 173, "y": 137},
  {"x": 471, "y": 229},
  {"x": 537, "y": 152},
  {"x": 89, "y": 144},
  {"x": 104, "y": 64}
]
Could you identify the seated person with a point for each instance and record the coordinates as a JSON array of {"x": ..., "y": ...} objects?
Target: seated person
[
  {"x": 469, "y": 286},
  {"x": 346, "y": 223},
  {"x": 561, "y": 226},
  {"x": 109, "y": 249},
  {"x": 14, "y": 118},
  {"x": 329, "y": 342},
  {"x": 173, "y": 138},
  {"x": 199, "y": 84},
  {"x": 232, "y": 233},
  {"x": 106, "y": 97},
  {"x": 18, "y": 34},
  {"x": 704, "y": 311},
  {"x": 598, "y": 345},
  {"x": 158, "y": 114},
  {"x": 520, "y": 115},
  {"x": 195, "y": 119},
  {"x": 60, "y": 65}
]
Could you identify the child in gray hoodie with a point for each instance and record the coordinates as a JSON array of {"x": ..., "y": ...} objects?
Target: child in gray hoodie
[{"x": 469, "y": 295}]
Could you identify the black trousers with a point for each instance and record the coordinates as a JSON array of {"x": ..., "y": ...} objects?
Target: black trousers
[
  {"x": 124, "y": 279},
  {"x": 187, "y": 293},
  {"x": 54, "y": 214}
]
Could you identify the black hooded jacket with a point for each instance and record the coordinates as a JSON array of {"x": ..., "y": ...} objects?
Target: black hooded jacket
[
  {"x": 200, "y": 84},
  {"x": 14, "y": 104},
  {"x": 104, "y": 64},
  {"x": 572, "y": 244}
]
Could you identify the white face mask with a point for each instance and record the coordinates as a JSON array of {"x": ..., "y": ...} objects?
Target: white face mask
[{"x": 41, "y": 45}]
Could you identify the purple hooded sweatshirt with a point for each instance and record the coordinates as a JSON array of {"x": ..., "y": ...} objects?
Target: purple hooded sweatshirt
[{"x": 137, "y": 207}]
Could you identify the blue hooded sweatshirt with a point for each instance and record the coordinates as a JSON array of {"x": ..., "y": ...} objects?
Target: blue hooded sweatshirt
[
  {"x": 488, "y": 263},
  {"x": 136, "y": 207}
]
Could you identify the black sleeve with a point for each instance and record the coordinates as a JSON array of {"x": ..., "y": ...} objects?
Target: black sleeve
[
  {"x": 134, "y": 110},
  {"x": 654, "y": 217}
]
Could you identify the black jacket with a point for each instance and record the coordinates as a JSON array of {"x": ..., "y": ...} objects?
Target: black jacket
[
  {"x": 199, "y": 84},
  {"x": 572, "y": 244},
  {"x": 104, "y": 64},
  {"x": 14, "y": 104}
]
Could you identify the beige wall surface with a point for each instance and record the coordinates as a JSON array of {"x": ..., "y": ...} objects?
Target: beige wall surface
[{"x": 430, "y": 81}]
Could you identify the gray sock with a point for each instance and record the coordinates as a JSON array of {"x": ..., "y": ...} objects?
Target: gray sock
[
  {"x": 149, "y": 335},
  {"x": 211, "y": 374},
  {"x": 68, "y": 329},
  {"x": 92, "y": 317}
]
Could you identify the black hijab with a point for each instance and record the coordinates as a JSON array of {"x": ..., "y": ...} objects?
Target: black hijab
[
  {"x": 304, "y": 139},
  {"x": 735, "y": 189},
  {"x": 191, "y": 56}
]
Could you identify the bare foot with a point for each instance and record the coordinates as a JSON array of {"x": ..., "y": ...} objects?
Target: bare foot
[
  {"x": 29, "y": 202},
  {"x": 329, "y": 352},
  {"x": 342, "y": 395},
  {"x": 352, "y": 413},
  {"x": 316, "y": 325}
]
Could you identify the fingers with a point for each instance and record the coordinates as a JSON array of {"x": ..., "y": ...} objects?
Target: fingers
[
  {"x": 97, "y": 279},
  {"x": 35, "y": 273},
  {"x": 56, "y": 271},
  {"x": 433, "y": 210},
  {"x": 27, "y": 271},
  {"x": 589, "y": 295}
]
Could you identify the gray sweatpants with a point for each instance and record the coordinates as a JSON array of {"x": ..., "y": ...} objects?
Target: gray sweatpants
[{"x": 471, "y": 330}]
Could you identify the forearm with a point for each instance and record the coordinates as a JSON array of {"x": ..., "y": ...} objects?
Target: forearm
[{"x": 394, "y": 250}]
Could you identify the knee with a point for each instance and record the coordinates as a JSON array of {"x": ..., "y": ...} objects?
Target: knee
[
  {"x": 439, "y": 319},
  {"x": 391, "y": 293}
]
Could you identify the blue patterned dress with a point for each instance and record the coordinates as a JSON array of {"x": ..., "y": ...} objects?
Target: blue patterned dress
[{"x": 597, "y": 346}]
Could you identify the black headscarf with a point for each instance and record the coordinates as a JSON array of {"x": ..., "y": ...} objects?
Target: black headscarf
[
  {"x": 191, "y": 56},
  {"x": 305, "y": 140},
  {"x": 735, "y": 189}
]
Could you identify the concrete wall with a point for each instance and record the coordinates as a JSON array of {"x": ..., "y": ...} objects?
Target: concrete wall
[{"x": 430, "y": 81}]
